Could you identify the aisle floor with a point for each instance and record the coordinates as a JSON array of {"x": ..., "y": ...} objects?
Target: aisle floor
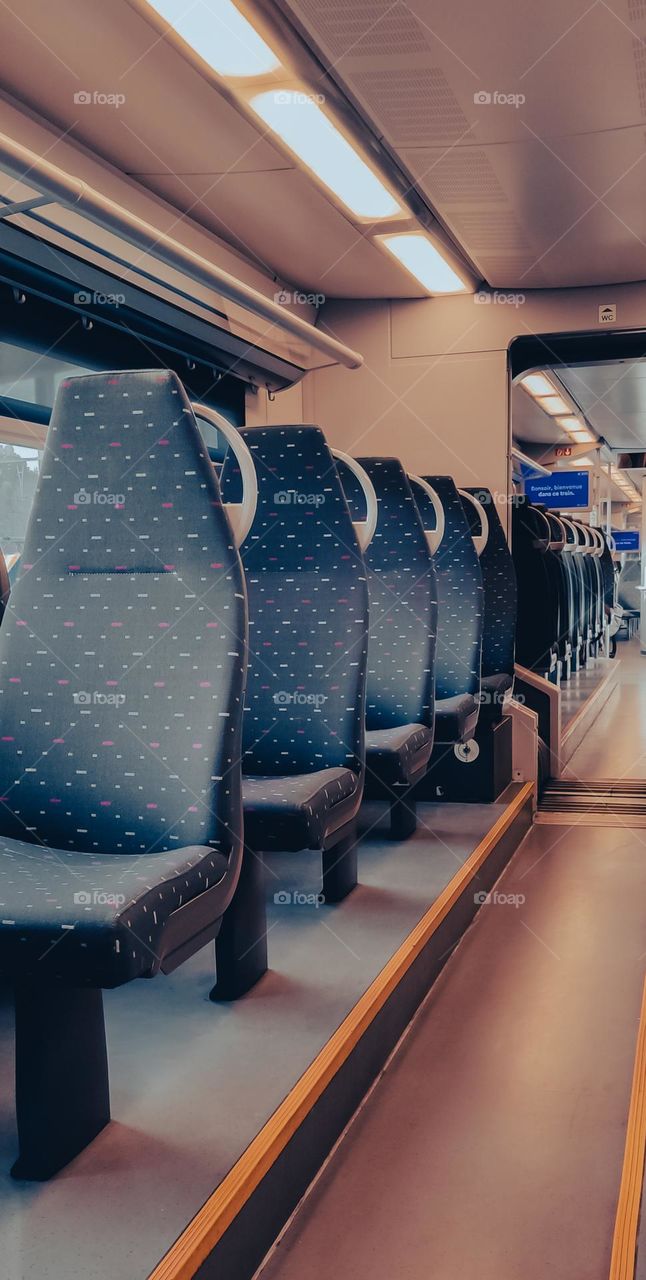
[
  {"x": 615, "y": 746},
  {"x": 492, "y": 1146}
]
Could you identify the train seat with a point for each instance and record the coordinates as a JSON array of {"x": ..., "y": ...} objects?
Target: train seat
[
  {"x": 303, "y": 725},
  {"x": 460, "y": 614},
  {"x": 500, "y": 603},
  {"x": 401, "y": 649},
  {"x": 121, "y": 823}
]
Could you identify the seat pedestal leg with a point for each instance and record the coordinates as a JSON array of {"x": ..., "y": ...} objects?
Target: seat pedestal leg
[
  {"x": 62, "y": 1089},
  {"x": 403, "y": 816},
  {"x": 340, "y": 868},
  {"x": 241, "y": 945}
]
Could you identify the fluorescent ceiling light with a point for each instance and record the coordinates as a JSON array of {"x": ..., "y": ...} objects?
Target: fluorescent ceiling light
[
  {"x": 537, "y": 384},
  {"x": 221, "y": 35},
  {"x": 423, "y": 260},
  {"x": 582, "y": 436},
  {"x": 570, "y": 423},
  {"x": 312, "y": 136},
  {"x": 553, "y": 404}
]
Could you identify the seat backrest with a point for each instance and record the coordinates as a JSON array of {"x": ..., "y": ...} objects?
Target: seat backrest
[
  {"x": 122, "y": 656},
  {"x": 460, "y": 597},
  {"x": 5, "y": 585},
  {"x": 308, "y": 609},
  {"x": 500, "y": 592},
  {"x": 403, "y": 604},
  {"x": 538, "y": 622}
]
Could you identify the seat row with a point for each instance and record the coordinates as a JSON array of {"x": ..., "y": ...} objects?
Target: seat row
[
  {"x": 566, "y": 590},
  {"x": 174, "y": 708}
]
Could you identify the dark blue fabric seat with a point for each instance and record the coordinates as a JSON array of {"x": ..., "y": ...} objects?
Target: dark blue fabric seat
[
  {"x": 401, "y": 649},
  {"x": 460, "y": 616},
  {"x": 308, "y": 634},
  {"x": 500, "y": 607},
  {"x": 122, "y": 665}
]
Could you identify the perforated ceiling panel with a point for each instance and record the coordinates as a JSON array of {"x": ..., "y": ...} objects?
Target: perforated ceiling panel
[
  {"x": 363, "y": 28},
  {"x": 412, "y": 106}
]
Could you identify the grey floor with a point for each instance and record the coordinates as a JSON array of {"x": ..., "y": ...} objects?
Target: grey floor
[
  {"x": 615, "y": 746},
  {"x": 492, "y": 1147},
  {"x": 193, "y": 1082},
  {"x": 576, "y": 691}
]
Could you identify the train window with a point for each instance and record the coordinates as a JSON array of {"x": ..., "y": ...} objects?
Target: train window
[{"x": 18, "y": 476}]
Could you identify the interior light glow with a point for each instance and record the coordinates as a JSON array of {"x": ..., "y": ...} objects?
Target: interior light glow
[
  {"x": 570, "y": 423},
  {"x": 423, "y": 260},
  {"x": 298, "y": 120},
  {"x": 553, "y": 404},
  {"x": 221, "y": 35},
  {"x": 582, "y": 436},
  {"x": 537, "y": 384}
]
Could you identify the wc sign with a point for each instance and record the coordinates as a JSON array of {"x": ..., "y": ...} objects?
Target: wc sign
[{"x": 608, "y": 314}]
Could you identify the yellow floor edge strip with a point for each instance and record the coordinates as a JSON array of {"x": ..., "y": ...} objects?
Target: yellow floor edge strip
[
  {"x": 201, "y": 1235},
  {"x": 624, "y": 1244}
]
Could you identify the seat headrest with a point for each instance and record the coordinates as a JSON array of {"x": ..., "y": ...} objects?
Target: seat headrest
[
  {"x": 302, "y": 519},
  {"x": 102, "y": 504}
]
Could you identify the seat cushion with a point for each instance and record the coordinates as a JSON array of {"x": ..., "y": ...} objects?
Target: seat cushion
[
  {"x": 299, "y": 811},
  {"x": 395, "y": 757},
  {"x": 94, "y": 919},
  {"x": 456, "y": 718}
]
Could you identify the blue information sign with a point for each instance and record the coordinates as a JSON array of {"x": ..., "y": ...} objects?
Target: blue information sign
[
  {"x": 562, "y": 490},
  {"x": 626, "y": 539}
]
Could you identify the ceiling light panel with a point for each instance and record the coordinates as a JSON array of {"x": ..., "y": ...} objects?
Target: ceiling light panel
[
  {"x": 423, "y": 260},
  {"x": 298, "y": 120},
  {"x": 221, "y": 35}
]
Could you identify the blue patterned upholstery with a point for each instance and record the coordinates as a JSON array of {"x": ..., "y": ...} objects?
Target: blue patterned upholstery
[
  {"x": 403, "y": 628},
  {"x": 500, "y": 604},
  {"x": 460, "y": 617},
  {"x": 308, "y": 628},
  {"x": 122, "y": 661},
  {"x": 539, "y": 593}
]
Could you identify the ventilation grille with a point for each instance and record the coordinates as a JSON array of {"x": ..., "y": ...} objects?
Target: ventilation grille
[
  {"x": 492, "y": 230},
  {"x": 363, "y": 28},
  {"x": 602, "y": 802},
  {"x": 464, "y": 176},
  {"x": 636, "y": 10},
  {"x": 413, "y": 107},
  {"x": 639, "y": 54}
]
